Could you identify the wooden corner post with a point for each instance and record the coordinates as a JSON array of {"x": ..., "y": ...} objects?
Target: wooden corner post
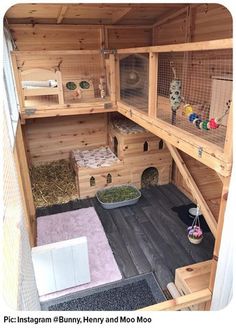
[
  {"x": 112, "y": 61},
  {"x": 152, "y": 87}
]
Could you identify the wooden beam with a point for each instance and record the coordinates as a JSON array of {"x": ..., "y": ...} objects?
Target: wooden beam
[
  {"x": 169, "y": 17},
  {"x": 152, "y": 86},
  {"x": 181, "y": 302},
  {"x": 223, "y": 202},
  {"x": 62, "y": 13},
  {"x": 25, "y": 184},
  {"x": 117, "y": 15},
  {"x": 184, "y": 47},
  {"x": 25, "y": 53},
  {"x": 113, "y": 78},
  {"x": 228, "y": 147},
  {"x": 212, "y": 156},
  {"x": 17, "y": 80},
  {"x": 210, "y": 219}
]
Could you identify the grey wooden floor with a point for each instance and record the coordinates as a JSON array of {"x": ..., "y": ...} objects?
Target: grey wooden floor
[{"x": 149, "y": 236}]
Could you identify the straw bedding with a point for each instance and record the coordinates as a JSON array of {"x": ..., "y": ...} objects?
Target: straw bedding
[{"x": 53, "y": 183}]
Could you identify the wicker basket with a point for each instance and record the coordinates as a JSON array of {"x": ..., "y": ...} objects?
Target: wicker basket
[{"x": 195, "y": 240}]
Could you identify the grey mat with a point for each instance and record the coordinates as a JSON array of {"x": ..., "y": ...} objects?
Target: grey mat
[{"x": 125, "y": 295}]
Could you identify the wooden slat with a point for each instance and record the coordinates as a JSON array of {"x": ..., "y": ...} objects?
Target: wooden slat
[
  {"x": 194, "y": 188},
  {"x": 152, "y": 86},
  {"x": 193, "y": 46},
  {"x": 228, "y": 147},
  {"x": 223, "y": 204},
  {"x": 33, "y": 54},
  {"x": 170, "y": 17},
  {"x": 24, "y": 179},
  {"x": 112, "y": 78},
  {"x": 62, "y": 13},
  {"x": 117, "y": 15},
  {"x": 181, "y": 302}
]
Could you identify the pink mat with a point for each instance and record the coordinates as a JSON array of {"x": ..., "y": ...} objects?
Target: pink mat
[{"x": 82, "y": 222}]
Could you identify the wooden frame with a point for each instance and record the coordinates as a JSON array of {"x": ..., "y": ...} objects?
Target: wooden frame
[
  {"x": 185, "y": 47},
  {"x": 217, "y": 158},
  {"x": 213, "y": 156}
]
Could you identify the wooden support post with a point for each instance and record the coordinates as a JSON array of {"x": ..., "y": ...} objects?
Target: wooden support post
[
  {"x": 152, "y": 88},
  {"x": 181, "y": 302},
  {"x": 113, "y": 77},
  {"x": 17, "y": 81},
  {"x": 228, "y": 147},
  {"x": 24, "y": 179},
  {"x": 117, "y": 78},
  {"x": 194, "y": 188},
  {"x": 60, "y": 88},
  {"x": 223, "y": 203},
  {"x": 187, "y": 55}
]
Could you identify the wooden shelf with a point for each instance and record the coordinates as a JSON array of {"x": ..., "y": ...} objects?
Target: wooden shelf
[{"x": 54, "y": 110}]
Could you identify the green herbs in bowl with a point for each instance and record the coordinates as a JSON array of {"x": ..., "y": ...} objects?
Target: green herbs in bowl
[{"x": 118, "y": 196}]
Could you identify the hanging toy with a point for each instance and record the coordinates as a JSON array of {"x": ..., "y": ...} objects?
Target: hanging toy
[
  {"x": 175, "y": 94},
  {"x": 195, "y": 234},
  {"x": 187, "y": 110},
  {"x": 196, "y": 120}
]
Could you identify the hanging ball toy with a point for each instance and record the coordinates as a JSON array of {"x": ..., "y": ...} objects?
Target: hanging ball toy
[
  {"x": 205, "y": 124},
  {"x": 197, "y": 123},
  {"x": 187, "y": 110},
  {"x": 213, "y": 123},
  {"x": 192, "y": 116}
]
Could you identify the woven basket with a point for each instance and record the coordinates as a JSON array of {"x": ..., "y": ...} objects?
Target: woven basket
[{"x": 195, "y": 240}]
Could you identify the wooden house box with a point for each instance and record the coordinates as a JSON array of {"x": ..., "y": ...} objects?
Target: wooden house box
[{"x": 99, "y": 95}]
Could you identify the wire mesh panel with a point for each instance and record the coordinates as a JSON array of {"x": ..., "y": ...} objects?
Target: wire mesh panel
[
  {"x": 195, "y": 92},
  {"x": 134, "y": 76},
  {"x": 19, "y": 286}
]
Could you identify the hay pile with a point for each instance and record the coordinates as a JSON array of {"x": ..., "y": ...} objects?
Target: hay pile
[
  {"x": 150, "y": 177},
  {"x": 53, "y": 183}
]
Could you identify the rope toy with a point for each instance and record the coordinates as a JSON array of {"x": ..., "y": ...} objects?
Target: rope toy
[
  {"x": 174, "y": 94},
  {"x": 196, "y": 120}
]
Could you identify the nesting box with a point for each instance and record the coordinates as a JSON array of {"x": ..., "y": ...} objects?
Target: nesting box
[
  {"x": 96, "y": 169},
  {"x": 139, "y": 150}
]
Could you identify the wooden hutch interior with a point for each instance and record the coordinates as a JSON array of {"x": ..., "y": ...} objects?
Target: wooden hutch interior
[{"x": 94, "y": 46}]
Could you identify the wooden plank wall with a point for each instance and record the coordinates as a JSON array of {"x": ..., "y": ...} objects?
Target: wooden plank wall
[
  {"x": 71, "y": 37},
  {"x": 206, "y": 179},
  {"x": 49, "y": 139},
  {"x": 208, "y": 22},
  {"x": 128, "y": 37}
]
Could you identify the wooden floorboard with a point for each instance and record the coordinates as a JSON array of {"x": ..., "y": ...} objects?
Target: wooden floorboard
[{"x": 149, "y": 236}]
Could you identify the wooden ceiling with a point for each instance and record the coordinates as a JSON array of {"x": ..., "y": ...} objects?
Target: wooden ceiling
[{"x": 107, "y": 14}]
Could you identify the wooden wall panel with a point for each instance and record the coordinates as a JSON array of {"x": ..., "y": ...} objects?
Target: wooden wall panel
[
  {"x": 55, "y": 37},
  {"x": 172, "y": 32},
  {"x": 211, "y": 21},
  {"x": 75, "y": 37},
  {"x": 208, "y": 22},
  {"x": 129, "y": 37},
  {"x": 53, "y": 139},
  {"x": 206, "y": 179}
]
